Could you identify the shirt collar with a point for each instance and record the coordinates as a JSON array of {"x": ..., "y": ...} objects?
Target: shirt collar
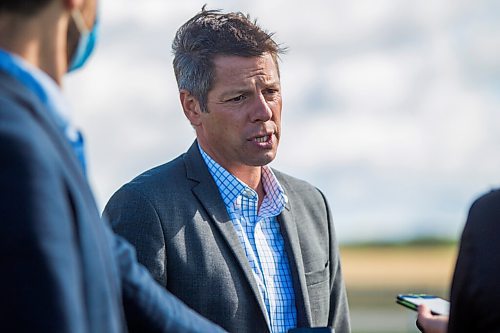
[
  {"x": 44, "y": 87},
  {"x": 231, "y": 188}
]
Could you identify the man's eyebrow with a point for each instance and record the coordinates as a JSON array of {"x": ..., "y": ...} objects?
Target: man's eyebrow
[
  {"x": 236, "y": 92},
  {"x": 275, "y": 84},
  {"x": 272, "y": 82}
]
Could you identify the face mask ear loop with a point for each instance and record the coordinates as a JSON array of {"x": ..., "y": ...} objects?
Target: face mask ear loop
[{"x": 80, "y": 23}]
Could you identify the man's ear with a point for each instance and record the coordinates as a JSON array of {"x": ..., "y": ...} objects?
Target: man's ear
[{"x": 191, "y": 107}]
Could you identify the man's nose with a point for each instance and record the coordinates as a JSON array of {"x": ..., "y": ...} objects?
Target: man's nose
[{"x": 261, "y": 111}]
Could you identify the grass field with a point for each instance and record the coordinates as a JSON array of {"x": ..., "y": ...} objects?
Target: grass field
[{"x": 374, "y": 275}]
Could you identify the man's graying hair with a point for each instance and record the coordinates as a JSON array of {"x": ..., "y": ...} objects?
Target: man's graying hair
[{"x": 211, "y": 33}]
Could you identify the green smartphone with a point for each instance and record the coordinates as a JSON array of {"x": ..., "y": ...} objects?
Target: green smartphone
[{"x": 437, "y": 305}]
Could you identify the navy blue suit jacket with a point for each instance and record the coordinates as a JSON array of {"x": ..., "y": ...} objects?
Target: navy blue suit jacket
[{"x": 61, "y": 268}]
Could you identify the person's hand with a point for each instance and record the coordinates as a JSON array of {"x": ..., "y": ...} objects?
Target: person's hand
[{"x": 429, "y": 323}]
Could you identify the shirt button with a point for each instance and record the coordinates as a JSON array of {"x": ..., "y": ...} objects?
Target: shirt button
[{"x": 248, "y": 193}]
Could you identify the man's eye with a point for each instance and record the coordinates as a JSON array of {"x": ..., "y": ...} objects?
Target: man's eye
[
  {"x": 237, "y": 98},
  {"x": 270, "y": 91}
]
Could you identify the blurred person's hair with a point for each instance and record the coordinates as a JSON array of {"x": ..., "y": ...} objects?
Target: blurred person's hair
[
  {"x": 22, "y": 7},
  {"x": 211, "y": 33}
]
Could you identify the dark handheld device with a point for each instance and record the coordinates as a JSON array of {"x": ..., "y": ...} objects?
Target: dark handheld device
[
  {"x": 312, "y": 330},
  {"x": 437, "y": 305}
]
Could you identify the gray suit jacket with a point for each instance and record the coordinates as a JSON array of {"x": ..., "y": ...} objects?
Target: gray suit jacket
[{"x": 176, "y": 218}]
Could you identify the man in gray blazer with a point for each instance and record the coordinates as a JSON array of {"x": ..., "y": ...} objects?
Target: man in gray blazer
[{"x": 248, "y": 247}]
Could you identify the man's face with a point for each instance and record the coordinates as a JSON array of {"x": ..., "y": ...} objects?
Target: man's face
[{"x": 243, "y": 122}]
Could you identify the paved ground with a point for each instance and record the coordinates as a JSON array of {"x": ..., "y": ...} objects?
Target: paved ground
[
  {"x": 398, "y": 320},
  {"x": 375, "y": 275}
]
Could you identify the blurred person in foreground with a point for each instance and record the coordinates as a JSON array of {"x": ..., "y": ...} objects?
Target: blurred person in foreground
[
  {"x": 250, "y": 248},
  {"x": 475, "y": 290},
  {"x": 61, "y": 268}
]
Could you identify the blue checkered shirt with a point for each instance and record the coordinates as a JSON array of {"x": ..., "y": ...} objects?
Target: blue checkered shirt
[{"x": 260, "y": 236}]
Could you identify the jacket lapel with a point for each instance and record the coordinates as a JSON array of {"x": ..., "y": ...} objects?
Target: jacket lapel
[
  {"x": 38, "y": 111},
  {"x": 290, "y": 235},
  {"x": 207, "y": 193},
  {"x": 87, "y": 221}
]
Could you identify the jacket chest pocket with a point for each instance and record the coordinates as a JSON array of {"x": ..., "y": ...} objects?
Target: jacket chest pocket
[
  {"x": 318, "y": 288},
  {"x": 318, "y": 275}
]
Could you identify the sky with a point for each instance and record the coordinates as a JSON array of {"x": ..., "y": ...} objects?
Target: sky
[{"x": 390, "y": 107}]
